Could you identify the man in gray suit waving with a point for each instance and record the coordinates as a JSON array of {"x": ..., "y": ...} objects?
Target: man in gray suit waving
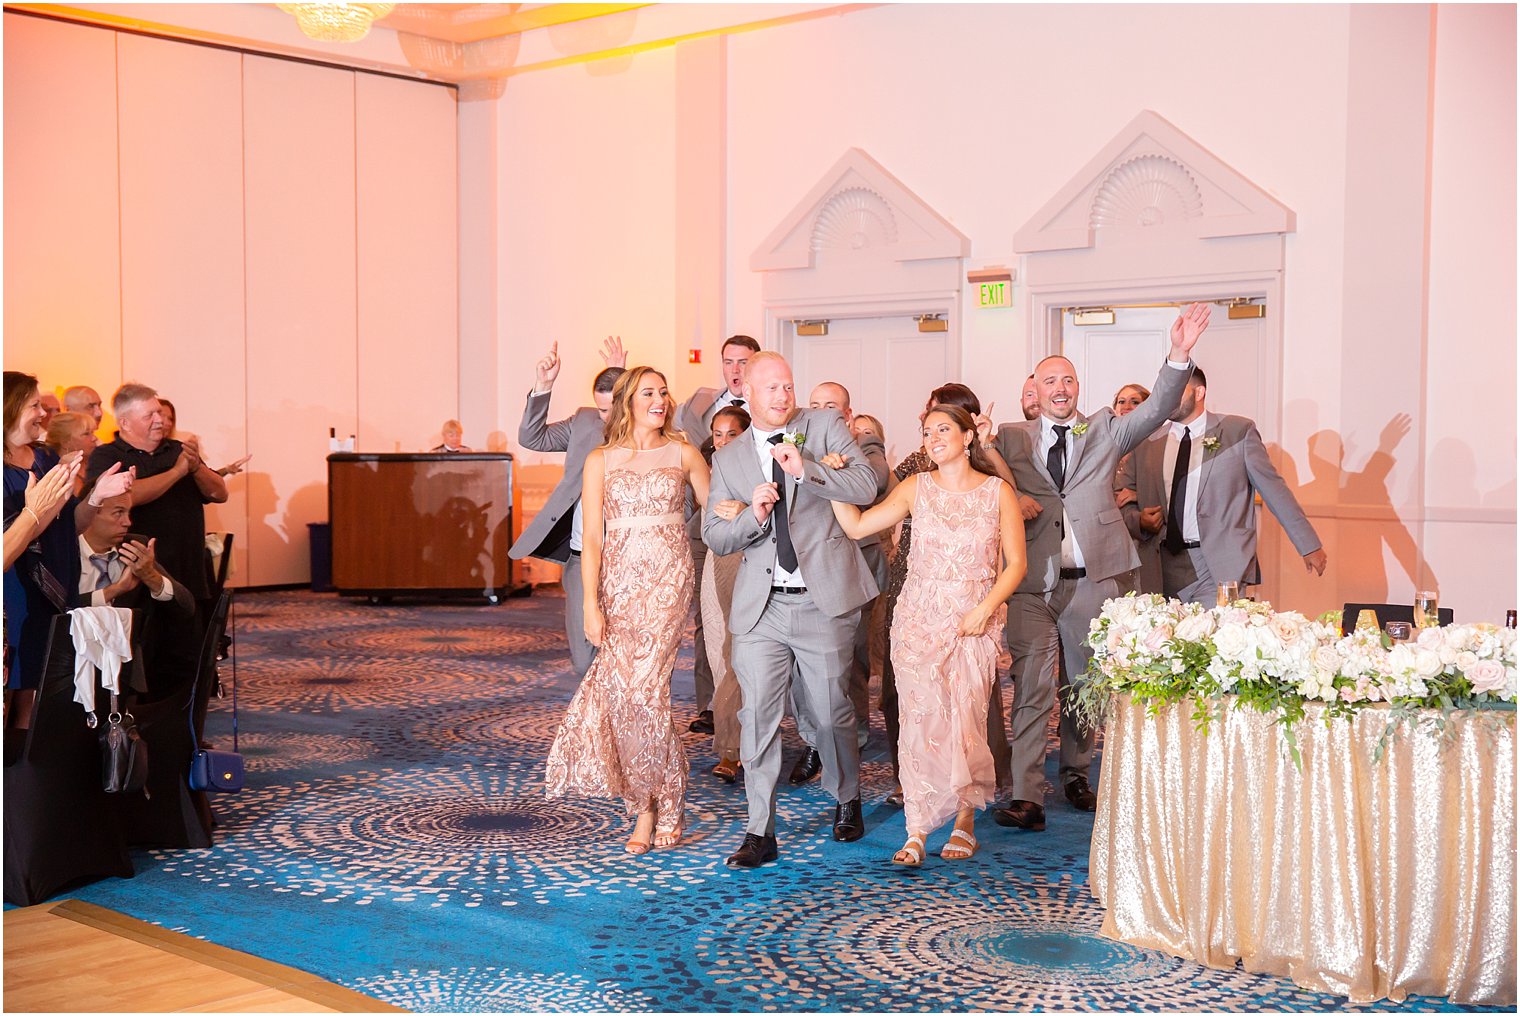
[
  {"x": 1080, "y": 554},
  {"x": 1198, "y": 479},
  {"x": 798, "y": 594},
  {"x": 555, "y": 532}
]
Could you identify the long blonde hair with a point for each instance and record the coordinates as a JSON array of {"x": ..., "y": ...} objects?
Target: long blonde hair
[{"x": 618, "y": 431}]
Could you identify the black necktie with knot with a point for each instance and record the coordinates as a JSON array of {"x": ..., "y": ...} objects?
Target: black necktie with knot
[
  {"x": 1055, "y": 459},
  {"x": 1174, "y": 541},
  {"x": 786, "y": 554}
]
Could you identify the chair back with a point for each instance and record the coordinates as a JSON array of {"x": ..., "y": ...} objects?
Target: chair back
[
  {"x": 1386, "y": 612},
  {"x": 222, "y": 566}
]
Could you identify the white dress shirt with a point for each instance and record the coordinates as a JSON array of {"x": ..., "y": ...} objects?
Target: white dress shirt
[
  {"x": 779, "y": 576},
  {"x": 1195, "y": 431},
  {"x": 89, "y": 574},
  {"x": 1071, "y": 550}
]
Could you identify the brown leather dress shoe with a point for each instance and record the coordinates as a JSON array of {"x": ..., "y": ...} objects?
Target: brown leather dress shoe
[
  {"x": 1021, "y": 815},
  {"x": 1080, "y": 795}
]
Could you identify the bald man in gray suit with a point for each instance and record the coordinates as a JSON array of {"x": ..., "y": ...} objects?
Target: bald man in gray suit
[
  {"x": 1080, "y": 553},
  {"x": 1198, "y": 479},
  {"x": 798, "y": 594},
  {"x": 554, "y": 535}
]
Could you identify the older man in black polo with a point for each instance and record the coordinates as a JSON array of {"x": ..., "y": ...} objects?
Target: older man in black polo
[{"x": 169, "y": 499}]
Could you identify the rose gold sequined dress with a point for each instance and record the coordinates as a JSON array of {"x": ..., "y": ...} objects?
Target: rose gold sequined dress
[
  {"x": 944, "y": 680},
  {"x": 617, "y": 739}
]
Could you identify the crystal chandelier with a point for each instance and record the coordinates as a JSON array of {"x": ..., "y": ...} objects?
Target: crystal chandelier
[{"x": 336, "y": 22}]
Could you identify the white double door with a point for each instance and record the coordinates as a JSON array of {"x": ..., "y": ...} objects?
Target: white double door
[
  {"x": 1130, "y": 351},
  {"x": 888, "y": 365}
]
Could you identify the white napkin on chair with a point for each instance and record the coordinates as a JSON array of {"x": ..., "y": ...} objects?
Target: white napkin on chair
[{"x": 103, "y": 639}]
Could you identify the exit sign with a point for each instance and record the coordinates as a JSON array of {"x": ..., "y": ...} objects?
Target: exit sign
[{"x": 993, "y": 294}]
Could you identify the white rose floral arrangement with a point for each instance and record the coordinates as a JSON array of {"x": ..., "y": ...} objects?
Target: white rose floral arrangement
[{"x": 1162, "y": 651}]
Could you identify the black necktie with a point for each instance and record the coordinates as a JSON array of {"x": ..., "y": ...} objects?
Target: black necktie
[
  {"x": 1055, "y": 459},
  {"x": 1174, "y": 509},
  {"x": 786, "y": 554},
  {"x": 737, "y": 403}
]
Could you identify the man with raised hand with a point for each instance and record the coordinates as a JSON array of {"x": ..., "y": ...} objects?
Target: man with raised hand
[
  {"x": 1080, "y": 553},
  {"x": 554, "y": 535}
]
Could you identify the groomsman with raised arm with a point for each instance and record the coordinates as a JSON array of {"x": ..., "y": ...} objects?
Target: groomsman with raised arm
[
  {"x": 555, "y": 533},
  {"x": 1080, "y": 553},
  {"x": 798, "y": 593},
  {"x": 694, "y": 417},
  {"x": 1198, "y": 479}
]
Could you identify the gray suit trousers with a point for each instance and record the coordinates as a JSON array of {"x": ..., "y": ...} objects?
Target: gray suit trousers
[
  {"x": 581, "y": 651},
  {"x": 860, "y": 669},
  {"x": 792, "y": 630},
  {"x": 1186, "y": 577},
  {"x": 1043, "y": 631}
]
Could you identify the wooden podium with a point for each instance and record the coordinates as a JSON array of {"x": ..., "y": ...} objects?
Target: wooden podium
[{"x": 429, "y": 523}]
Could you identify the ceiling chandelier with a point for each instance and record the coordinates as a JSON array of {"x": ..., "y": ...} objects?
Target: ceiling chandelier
[{"x": 336, "y": 22}]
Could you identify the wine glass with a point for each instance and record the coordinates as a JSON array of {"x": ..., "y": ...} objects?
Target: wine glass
[{"x": 1426, "y": 612}]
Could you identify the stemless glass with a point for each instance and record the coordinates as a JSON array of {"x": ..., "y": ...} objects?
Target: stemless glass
[
  {"x": 1426, "y": 612},
  {"x": 1229, "y": 592},
  {"x": 1399, "y": 631}
]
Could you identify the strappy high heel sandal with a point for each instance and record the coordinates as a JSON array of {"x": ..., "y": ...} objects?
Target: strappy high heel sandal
[
  {"x": 635, "y": 845},
  {"x": 912, "y": 853},
  {"x": 961, "y": 845}
]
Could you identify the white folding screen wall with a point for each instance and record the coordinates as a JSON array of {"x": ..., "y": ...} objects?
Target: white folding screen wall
[{"x": 271, "y": 244}]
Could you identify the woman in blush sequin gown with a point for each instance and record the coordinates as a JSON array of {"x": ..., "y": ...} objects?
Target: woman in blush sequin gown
[
  {"x": 966, "y": 559},
  {"x": 617, "y": 739}
]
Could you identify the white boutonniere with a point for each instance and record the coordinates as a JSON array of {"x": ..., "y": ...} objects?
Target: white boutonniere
[
  {"x": 796, "y": 440},
  {"x": 1078, "y": 429},
  {"x": 1211, "y": 443}
]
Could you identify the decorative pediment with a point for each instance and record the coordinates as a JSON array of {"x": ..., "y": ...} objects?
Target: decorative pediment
[
  {"x": 858, "y": 212},
  {"x": 1152, "y": 180}
]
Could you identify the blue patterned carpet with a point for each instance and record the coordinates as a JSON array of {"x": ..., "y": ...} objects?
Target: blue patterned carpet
[{"x": 394, "y": 838}]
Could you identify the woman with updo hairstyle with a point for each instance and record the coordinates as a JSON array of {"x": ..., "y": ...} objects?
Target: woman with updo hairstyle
[{"x": 966, "y": 559}]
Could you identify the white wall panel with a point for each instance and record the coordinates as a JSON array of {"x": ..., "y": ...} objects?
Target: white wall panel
[
  {"x": 298, "y": 128},
  {"x": 181, "y": 128},
  {"x": 408, "y": 353},
  {"x": 62, "y": 285}
]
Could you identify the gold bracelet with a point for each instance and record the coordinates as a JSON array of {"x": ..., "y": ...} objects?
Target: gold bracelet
[{"x": 35, "y": 517}]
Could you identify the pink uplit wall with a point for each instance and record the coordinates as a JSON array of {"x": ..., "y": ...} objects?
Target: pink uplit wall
[
  {"x": 1388, "y": 130},
  {"x": 286, "y": 259}
]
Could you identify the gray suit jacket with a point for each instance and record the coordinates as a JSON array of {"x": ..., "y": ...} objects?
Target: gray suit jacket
[
  {"x": 1091, "y": 460},
  {"x": 548, "y": 535},
  {"x": 837, "y": 576},
  {"x": 1229, "y": 480},
  {"x": 694, "y": 416}
]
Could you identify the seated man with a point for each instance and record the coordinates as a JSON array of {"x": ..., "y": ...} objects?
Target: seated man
[
  {"x": 114, "y": 573},
  {"x": 453, "y": 438}
]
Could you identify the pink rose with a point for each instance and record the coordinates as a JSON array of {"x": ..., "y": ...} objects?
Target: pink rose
[
  {"x": 1157, "y": 638},
  {"x": 1486, "y": 675}
]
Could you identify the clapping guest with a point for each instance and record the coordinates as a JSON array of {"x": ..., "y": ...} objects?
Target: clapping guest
[
  {"x": 72, "y": 432},
  {"x": 717, "y": 596},
  {"x": 966, "y": 560},
  {"x": 86, "y": 400},
  {"x": 171, "y": 430},
  {"x": 115, "y": 572},
  {"x": 38, "y": 585}
]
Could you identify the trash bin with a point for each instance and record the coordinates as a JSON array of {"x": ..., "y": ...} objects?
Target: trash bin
[{"x": 321, "y": 556}]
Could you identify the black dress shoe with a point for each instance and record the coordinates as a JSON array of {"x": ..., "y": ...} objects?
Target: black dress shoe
[
  {"x": 1021, "y": 815},
  {"x": 807, "y": 767},
  {"x": 848, "y": 823},
  {"x": 703, "y": 724},
  {"x": 1080, "y": 795},
  {"x": 753, "y": 852}
]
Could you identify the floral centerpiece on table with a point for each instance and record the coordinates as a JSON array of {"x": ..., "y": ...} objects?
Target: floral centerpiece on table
[{"x": 1247, "y": 654}]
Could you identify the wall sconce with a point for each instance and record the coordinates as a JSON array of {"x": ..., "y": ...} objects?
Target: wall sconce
[
  {"x": 812, "y": 327},
  {"x": 1092, "y": 316},
  {"x": 932, "y": 323}
]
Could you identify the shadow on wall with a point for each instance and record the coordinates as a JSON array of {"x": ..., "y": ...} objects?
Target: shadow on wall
[{"x": 1358, "y": 547}]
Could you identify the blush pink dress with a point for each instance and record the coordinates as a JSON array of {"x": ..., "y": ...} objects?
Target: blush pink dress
[
  {"x": 617, "y": 739},
  {"x": 944, "y": 680}
]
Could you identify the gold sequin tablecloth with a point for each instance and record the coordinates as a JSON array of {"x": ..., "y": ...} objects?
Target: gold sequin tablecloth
[{"x": 1359, "y": 878}]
